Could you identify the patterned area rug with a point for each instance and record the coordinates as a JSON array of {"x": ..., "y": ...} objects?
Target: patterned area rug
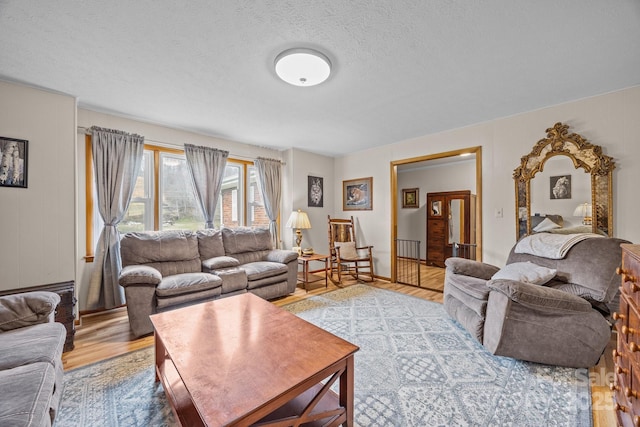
[
  {"x": 118, "y": 392},
  {"x": 415, "y": 367}
]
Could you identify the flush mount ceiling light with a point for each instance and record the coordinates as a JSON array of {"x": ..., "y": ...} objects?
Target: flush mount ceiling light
[{"x": 303, "y": 67}]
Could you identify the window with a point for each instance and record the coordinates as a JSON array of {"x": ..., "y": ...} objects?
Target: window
[{"x": 164, "y": 198}]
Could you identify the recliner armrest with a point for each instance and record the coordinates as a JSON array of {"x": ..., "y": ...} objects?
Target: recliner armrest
[
  {"x": 539, "y": 297},
  {"x": 469, "y": 267},
  {"x": 27, "y": 308},
  {"x": 139, "y": 275},
  {"x": 281, "y": 255}
]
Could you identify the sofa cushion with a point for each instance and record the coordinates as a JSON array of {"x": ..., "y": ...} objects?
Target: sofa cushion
[
  {"x": 38, "y": 343},
  {"x": 26, "y": 309},
  {"x": 540, "y": 297},
  {"x": 186, "y": 283},
  {"x": 263, "y": 269},
  {"x": 590, "y": 263},
  {"x": 210, "y": 243},
  {"x": 216, "y": 263},
  {"x": 245, "y": 239},
  {"x": 26, "y": 395},
  {"x": 233, "y": 279},
  {"x": 151, "y": 247},
  {"x": 267, "y": 281}
]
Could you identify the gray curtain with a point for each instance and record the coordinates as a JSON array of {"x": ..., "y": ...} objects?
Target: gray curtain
[
  {"x": 117, "y": 157},
  {"x": 207, "y": 171},
  {"x": 270, "y": 178}
]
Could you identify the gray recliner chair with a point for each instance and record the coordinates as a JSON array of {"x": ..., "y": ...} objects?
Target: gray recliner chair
[{"x": 561, "y": 322}]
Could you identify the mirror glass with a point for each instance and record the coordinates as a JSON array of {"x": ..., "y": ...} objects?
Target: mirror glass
[
  {"x": 559, "y": 188},
  {"x": 456, "y": 218},
  {"x": 572, "y": 176}
]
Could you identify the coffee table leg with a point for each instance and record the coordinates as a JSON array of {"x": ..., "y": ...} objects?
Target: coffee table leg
[
  {"x": 346, "y": 391},
  {"x": 160, "y": 356}
]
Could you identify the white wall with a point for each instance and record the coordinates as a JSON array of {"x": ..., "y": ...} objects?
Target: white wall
[
  {"x": 154, "y": 134},
  {"x": 412, "y": 222},
  {"x": 608, "y": 120},
  {"x": 301, "y": 164},
  {"x": 37, "y": 224}
]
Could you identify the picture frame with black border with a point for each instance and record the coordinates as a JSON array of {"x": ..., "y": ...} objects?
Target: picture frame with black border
[
  {"x": 13, "y": 162},
  {"x": 315, "y": 191}
]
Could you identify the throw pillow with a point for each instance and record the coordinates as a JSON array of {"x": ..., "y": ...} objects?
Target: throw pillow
[
  {"x": 545, "y": 225},
  {"x": 347, "y": 250},
  {"x": 526, "y": 272}
]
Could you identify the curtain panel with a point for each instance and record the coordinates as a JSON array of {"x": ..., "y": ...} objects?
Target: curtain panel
[
  {"x": 206, "y": 166},
  {"x": 117, "y": 157},
  {"x": 270, "y": 179}
]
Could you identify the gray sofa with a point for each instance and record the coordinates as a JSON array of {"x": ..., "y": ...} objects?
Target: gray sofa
[
  {"x": 169, "y": 269},
  {"x": 31, "y": 371},
  {"x": 561, "y": 322}
]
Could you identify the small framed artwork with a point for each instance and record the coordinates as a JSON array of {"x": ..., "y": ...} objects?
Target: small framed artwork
[
  {"x": 410, "y": 197},
  {"x": 315, "y": 191},
  {"x": 560, "y": 187},
  {"x": 13, "y": 162},
  {"x": 357, "y": 194},
  {"x": 436, "y": 208}
]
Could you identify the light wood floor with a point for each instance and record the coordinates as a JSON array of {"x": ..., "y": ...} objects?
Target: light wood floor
[{"x": 104, "y": 335}]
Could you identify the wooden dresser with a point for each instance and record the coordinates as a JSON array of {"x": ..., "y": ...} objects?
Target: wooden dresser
[
  {"x": 450, "y": 219},
  {"x": 626, "y": 388}
]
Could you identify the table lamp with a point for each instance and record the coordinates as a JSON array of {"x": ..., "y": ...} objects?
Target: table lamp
[
  {"x": 298, "y": 220},
  {"x": 584, "y": 210}
]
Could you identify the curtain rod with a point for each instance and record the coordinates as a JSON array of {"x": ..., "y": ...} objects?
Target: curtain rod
[{"x": 86, "y": 131}]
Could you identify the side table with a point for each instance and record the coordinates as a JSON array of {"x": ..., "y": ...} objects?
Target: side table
[{"x": 304, "y": 261}]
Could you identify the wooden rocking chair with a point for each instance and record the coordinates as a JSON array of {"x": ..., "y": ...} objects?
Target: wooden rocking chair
[{"x": 346, "y": 256}]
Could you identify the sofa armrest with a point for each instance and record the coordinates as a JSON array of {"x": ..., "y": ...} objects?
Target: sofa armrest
[
  {"x": 27, "y": 309},
  {"x": 281, "y": 255},
  {"x": 539, "y": 297},
  {"x": 139, "y": 275},
  {"x": 470, "y": 267}
]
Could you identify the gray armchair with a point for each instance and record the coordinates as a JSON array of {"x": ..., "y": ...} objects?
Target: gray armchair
[{"x": 561, "y": 322}]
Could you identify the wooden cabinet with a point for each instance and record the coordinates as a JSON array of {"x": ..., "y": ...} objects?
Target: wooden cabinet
[
  {"x": 450, "y": 220},
  {"x": 626, "y": 356},
  {"x": 65, "y": 312}
]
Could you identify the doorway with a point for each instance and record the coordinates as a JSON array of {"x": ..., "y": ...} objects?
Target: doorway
[{"x": 433, "y": 159}]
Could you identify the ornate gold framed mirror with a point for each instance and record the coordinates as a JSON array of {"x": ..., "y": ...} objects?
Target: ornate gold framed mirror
[{"x": 583, "y": 155}]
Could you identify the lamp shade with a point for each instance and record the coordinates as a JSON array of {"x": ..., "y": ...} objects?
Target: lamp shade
[
  {"x": 298, "y": 220},
  {"x": 583, "y": 210},
  {"x": 302, "y": 67}
]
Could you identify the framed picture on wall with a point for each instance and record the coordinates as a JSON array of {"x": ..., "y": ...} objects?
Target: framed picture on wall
[
  {"x": 13, "y": 162},
  {"x": 560, "y": 187},
  {"x": 410, "y": 197},
  {"x": 315, "y": 191},
  {"x": 357, "y": 194}
]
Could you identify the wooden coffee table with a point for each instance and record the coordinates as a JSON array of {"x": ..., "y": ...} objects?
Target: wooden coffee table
[{"x": 242, "y": 361}]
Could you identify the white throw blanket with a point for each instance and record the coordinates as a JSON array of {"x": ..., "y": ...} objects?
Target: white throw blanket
[{"x": 553, "y": 246}]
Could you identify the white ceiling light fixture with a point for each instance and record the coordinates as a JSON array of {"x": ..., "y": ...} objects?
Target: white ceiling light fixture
[{"x": 303, "y": 67}]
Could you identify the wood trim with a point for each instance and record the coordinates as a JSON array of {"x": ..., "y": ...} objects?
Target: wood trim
[{"x": 477, "y": 150}]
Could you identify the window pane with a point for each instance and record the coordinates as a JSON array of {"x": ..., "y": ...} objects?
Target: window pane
[
  {"x": 139, "y": 216},
  {"x": 229, "y": 209},
  {"x": 257, "y": 216},
  {"x": 179, "y": 209}
]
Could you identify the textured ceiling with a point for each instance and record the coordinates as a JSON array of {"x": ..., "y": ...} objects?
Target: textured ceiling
[{"x": 401, "y": 69}]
